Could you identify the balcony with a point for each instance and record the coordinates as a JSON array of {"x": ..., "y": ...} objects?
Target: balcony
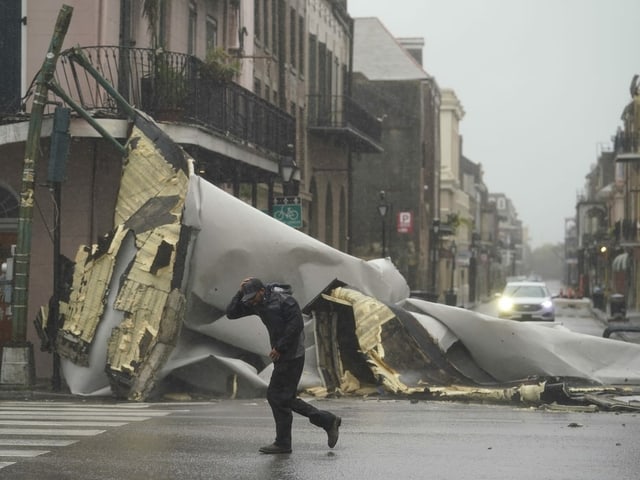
[
  {"x": 627, "y": 146},
  {"x": 625, "y": 231},
  {"x": 339, "y": 116},
  {"x": 173, "y": 86}
]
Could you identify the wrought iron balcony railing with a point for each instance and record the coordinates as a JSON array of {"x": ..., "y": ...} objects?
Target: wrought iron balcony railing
[
  {"x": 627, "y": 146},
  {"x": 626, "y": 230},
  {"x": 341, "y": 115},
  {"x": 170, "y": 85}
]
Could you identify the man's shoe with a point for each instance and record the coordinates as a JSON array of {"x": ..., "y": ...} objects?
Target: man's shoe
[
  {"x": 274, "y": 448},
  {"x": 333, "y": 432}
]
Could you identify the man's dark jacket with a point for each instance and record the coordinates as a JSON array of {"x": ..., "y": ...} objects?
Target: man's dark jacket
[{"x": 281, "y": 314}]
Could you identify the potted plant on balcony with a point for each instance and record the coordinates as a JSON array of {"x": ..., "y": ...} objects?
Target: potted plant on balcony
[
  {"x": 170, "y": 92},
  {"x": 219, "y": 66},
  {"x": 165, "y": 87}
]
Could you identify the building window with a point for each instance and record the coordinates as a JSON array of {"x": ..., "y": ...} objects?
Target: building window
[
  {"x": 163, "y": 27},
  {"x": 313, "y": 62},
  {"x": 274, "y": 27},
  {"x": 292, "y": 37},
  {"x": 9, "y": 207},
  {"x": 193, "y": 20},
  {"x": 301, "y": 35},
  {"x": 256, "y": 19},
  {"x": 265, "y": 20},
  {"x": 257, "y": 87},
  {"x": 212, "y": 33}
]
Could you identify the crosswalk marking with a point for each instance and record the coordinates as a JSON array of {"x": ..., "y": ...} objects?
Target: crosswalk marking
[
  {"x": 70, "y": 423},
  {"x": 37, "y": 442},
  {"x": 69, "y": 416},
  {"x": 29, "y": 429},
  {"x": 102, "y": 411},
  {"x": 63, "y": 432},
  {"x": 22, "y": 453}
]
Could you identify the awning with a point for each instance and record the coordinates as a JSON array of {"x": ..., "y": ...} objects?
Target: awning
[{"x": 621, "y": 262}]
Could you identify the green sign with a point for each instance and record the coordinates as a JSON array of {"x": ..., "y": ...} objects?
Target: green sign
[
  {"x": 289, "y": 214},
  {"x": 288, "y": 210}
]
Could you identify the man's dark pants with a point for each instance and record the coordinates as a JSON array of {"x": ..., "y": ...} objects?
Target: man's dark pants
[{"x": 282, "y": 397}]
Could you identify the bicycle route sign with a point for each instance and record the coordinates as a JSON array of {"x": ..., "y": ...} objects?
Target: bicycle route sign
[{"x": 288, "y": 210}]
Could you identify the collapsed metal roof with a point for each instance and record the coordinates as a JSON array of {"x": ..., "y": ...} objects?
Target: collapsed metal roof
[{"x": 146, "y": 310}]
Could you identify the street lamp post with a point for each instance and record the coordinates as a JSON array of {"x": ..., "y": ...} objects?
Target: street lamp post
[
  {"x": 453, "y": 264},
  {"x": 287, "y": 168},
  {"x": 450, "y": 297},
  {"x": 383, "y": 208},
  {"x": 473, "y": 268},
  {"x": 435, "y": 230}
]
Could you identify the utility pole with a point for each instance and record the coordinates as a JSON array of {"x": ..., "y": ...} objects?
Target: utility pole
[{"x": 20, "y": 369}]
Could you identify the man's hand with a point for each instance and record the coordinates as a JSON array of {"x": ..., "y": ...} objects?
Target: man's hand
[{"x": 274, "y": 355}]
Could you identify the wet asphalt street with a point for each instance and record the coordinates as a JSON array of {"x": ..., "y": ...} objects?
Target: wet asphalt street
[{"x": 380, "y": 439}]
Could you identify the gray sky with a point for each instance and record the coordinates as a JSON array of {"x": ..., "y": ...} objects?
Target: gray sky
[{"x": 543, "y": 84}]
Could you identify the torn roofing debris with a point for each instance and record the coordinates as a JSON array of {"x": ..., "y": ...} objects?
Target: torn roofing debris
[{"x": 145, "y": 310}]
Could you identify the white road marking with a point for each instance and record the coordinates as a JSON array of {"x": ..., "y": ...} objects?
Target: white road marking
[
  {"x": 63, "y": 432},
  {"x": 25, "y": 425},
  {"x": 71, "y": 423},
  {"x": 70, "y": 416},
  {"x": 35, "y": 442},
  {"x": 22, "y": 453}
]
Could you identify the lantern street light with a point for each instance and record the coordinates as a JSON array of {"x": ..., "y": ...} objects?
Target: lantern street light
[
  {"x": 383, "y": 208},
  {"x": 288, "y": 168}
]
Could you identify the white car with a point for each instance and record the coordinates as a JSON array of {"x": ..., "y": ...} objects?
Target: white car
[{"x": 526, "y": 301}]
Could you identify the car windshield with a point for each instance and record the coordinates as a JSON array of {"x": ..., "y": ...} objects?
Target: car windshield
[{"x": 525, "y": 291}]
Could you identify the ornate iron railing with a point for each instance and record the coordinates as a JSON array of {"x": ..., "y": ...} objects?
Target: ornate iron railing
[
  {"x": 626, "y": 230},
  {"x": 340, "y": 111},
  {"x": 174, "y": 86}
]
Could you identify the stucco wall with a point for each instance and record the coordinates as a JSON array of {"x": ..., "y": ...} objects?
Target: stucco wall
[{"x": 88, "y": 199}]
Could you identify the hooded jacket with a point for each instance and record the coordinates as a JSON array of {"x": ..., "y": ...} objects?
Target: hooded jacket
[{"x": 282, "y": 316}]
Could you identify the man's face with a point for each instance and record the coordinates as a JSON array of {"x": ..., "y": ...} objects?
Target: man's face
[{"x": 257, "y": 298}]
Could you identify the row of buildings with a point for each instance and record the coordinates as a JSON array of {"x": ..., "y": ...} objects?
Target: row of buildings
[
  {"x": 327, "y": 122},
  {"x": 602, "y": 241}
]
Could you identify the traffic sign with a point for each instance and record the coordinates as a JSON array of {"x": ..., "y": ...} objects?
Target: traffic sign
[
  {"x": 288, "y": 210},
  {"x": 404, "y": 222}
]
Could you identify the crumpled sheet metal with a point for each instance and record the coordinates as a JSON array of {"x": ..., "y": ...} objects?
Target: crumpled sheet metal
[
  {"x": 134, "y": 296},
  {"x": 227, "y": 240},
  {"x": 234, "y": 240},
  {"x": 136, "y": 310},
  {"x": 510, "y": 351},
  {"x": 400, "y": 353}
]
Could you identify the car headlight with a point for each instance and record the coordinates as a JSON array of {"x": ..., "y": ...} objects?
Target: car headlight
[
  {"x": 505, "y": 304},
  {"x": 547, "y": 304}
]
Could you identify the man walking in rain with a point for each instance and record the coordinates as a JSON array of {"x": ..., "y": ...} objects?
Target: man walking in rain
[{"x": 282, "y": 316}]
